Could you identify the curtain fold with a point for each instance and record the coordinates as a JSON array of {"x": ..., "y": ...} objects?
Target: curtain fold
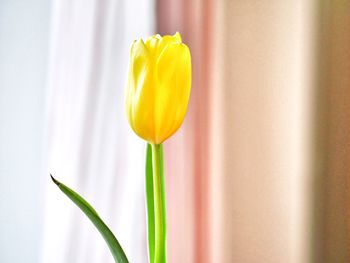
[
  {"x": 188, "y": 152},
  {"x": 331, "y": 198},
  {"x": 239, "y": 171},
  {"x": 90, "y": 146}
]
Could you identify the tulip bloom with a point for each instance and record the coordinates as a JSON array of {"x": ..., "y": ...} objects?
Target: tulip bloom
[
  {"x": 157, "y": 94},
  {"x": 158, "y": 86}
]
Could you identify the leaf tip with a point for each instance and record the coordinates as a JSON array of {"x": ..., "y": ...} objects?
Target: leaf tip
[{"x": 55, "y": 181}]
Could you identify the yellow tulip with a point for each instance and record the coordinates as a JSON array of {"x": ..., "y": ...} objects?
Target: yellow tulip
[{"x": 158, "y": 86}]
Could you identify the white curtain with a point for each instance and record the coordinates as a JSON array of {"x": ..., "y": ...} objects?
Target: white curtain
[{"x": 90, "y": 146}]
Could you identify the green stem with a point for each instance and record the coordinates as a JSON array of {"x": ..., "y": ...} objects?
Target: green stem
[
  {"x": 150, "y": 203},
  {"x": 159, "y": 204}
]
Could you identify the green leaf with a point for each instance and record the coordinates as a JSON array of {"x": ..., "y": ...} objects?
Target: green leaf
[
  {"x": 150, "y": 203},
  {"x": 113, "y": 244}
]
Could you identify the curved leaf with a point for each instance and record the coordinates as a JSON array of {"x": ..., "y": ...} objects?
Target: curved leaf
[{"x": 113, "y": 244}]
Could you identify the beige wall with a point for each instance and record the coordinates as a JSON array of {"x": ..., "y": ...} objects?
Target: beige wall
[{"x": 262, "y": 131}]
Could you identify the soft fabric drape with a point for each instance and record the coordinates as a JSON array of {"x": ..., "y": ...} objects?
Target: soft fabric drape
[
  {"x": 241, "y": 169},
  {"x": 90, "y": 146}
]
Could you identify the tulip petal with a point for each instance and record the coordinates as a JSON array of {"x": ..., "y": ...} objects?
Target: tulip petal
[
  {"x": 159, "y": 86},
  {"x": 152, "y": 43},
  {"x": 138, "y": 100},
  {"x": 173, "y": 80},
  {"x": 177, "y": 36}
]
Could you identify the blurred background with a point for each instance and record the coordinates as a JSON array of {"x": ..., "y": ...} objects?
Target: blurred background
[{"x": 259, "y": 171}]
